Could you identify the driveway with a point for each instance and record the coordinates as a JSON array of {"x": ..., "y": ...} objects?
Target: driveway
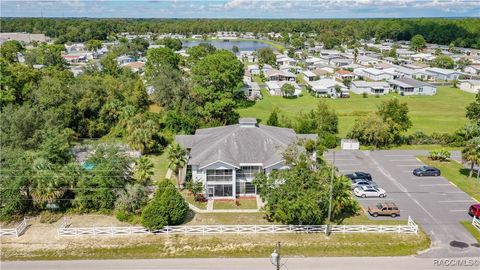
[{"x": 433, "y": 202}]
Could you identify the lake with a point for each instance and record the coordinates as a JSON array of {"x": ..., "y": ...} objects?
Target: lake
[{"x": 243, "y": 45}]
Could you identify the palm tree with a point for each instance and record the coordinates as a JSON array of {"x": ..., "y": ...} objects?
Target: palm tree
[
  {"x": 46, "y": 186},
  {"x": 143, "y": 170},
  {"x": 177, "y": 158},
  {"x": 355, "y": 55},
  {"x": 471, "y": 153}
]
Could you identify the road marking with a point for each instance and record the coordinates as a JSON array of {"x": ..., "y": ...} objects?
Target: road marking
[
  {"x": 350, "y": 164},
  {"x": 407, "y": 165},
  {"x": 433, "y": 185},
  {"x": 331, "y": 159},
  {"x": 402, "y": 160},
  {"x": 398, "y": 155},
  {"x": 457, "y": 201},
  {"x": 462, "y": 210}
]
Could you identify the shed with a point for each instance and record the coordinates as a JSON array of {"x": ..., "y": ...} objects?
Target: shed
[{"x": 350, "y": 144}]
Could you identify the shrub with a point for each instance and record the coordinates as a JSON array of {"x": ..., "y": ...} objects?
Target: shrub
[
  {"x": 440, "y": 155},
  {"x": 364, "y": 95},
  {"x": 49, "y": 217},
  {"x": 168, "y": 207}
]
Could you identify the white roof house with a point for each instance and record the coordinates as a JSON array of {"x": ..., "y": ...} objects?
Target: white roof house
[
  {"x": 275, "y": 87},
  {"x": 408, "y": 86},
  {"x": 471, "y": 86},
  {"x": 328, "y": 87},
  {"x": 444, "y": 74},
  {"x": 376, "y": 74},
  {"x": 371, "y": 88}
]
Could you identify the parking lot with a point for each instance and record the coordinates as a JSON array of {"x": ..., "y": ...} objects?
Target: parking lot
[{"x": 433, "y": 202}]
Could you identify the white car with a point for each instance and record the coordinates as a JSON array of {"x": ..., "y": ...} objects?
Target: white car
[{"x": 369, "y": 191}]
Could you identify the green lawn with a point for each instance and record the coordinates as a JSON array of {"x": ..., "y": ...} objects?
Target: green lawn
[
  {"x": 190, "y": 200},
  {"x": 456, "y": 174},
  {"x": 474, "y": 231},
  {"x": 239, "y": 204},
  {"x": 160, "y": 166},
  {"x": 444, "y": 112}
]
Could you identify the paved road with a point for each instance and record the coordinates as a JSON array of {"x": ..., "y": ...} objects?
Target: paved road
[
  {"x": 330, "y": 263},
  {"x": 435, "y": 204}
]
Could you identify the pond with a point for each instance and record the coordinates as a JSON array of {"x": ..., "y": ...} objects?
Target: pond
[{"x": 243, "y": 45}]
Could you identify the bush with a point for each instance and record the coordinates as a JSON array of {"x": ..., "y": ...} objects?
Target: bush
[
  {"x": 364, "y": 95},
  {"x": 49, "y": 217},
  {"x": 440, "y": 155},
  {"x": 168, "y": 207}
]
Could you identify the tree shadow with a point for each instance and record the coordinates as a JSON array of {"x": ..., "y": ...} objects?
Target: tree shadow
[{"x": 189, "y": 217}]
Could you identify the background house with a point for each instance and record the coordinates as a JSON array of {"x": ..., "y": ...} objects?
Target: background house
[
  {"x": 371, "y": 88},
  {"x": 408, "y": 86}
]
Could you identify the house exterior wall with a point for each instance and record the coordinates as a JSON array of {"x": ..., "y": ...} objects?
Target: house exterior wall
[{"x": 468, "y": 87}]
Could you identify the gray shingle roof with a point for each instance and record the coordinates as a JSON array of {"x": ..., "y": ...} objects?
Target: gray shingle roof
[
  {"x": 409, "y": 82},
  {"x": 235, "y": 144}
]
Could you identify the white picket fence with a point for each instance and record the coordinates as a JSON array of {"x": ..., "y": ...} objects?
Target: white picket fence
[
  {"x": 15, "y": 231},
  {"x": 476, "y": 223},
  {"x": 411, "y": 227}
]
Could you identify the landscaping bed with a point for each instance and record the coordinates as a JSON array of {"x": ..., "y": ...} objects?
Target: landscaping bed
[{"x": 243, "y": 203}]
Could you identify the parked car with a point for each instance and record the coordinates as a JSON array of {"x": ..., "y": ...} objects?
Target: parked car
[
  {"x": 362, "y": 182},
  {"x": 384, "y": 209},
  {"x": 359, "y": 175},
  {"x": 426, "y": 171},
  {"x": 474, "y": 210},
  {"x": 369, "y": 191}
]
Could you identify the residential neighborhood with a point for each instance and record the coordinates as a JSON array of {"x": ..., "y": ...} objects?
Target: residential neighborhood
[{"x": 220, "y": 135}]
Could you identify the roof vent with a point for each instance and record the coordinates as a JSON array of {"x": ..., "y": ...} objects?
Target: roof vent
[{"x": 247, "y": 122}]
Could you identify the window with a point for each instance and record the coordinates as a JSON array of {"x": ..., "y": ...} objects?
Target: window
[
  {"x": 219, "y": 175},
  {"x": 420, "y": 90},
  {"x": 248, "y": 172},
  {"x": 222, "y": 190}
]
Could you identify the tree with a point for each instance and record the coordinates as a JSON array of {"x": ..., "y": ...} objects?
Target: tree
[
  {"x": 48, "y": 55},
  {"x": 288, "y": 90},
  {"x": 266, "y": 56},
  {"x": 46, "y": 185},
  {"x": 110, "y": 65},
  {"x": 463, "y": 62},
  {"x": 417, "y": 42},
  {"x": 144, "y": 132},
  {"x": 273, "y": 118},
  {"x": 471, "y": 153},
  {"x": 473, "y": 110},
  {"x": 143, "y": 170},
  {"x": 93, "y": 45},
  {"x": 131, "y": 199},
  {"x": 158, "y": 58},
  {"x": 177, "y": 158},
  {"x": 443, "y": 61},
  {"x": 303, "y": 195},
  {"x": 10, "y": 49},
  {"x": 170, "y": 89},
  {"x": 172, "y": 43},
  {"x": 168, "y": 207},
  {"x": 138, "y": 97},
  {"x": 322, "y": 120},
  {"x": 196, "y": 188},
  {"x": 235, "y": 49},
  {"x": 396, "y": 112},
  {"x": 372, "y": 130}
]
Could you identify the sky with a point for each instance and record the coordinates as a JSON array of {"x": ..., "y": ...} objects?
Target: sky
[{"x": 240, "y": 8}]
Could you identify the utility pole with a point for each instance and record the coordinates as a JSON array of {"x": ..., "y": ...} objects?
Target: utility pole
[
  {"x": 331, "y": 196},
  {"x": 275, "y": 257}
]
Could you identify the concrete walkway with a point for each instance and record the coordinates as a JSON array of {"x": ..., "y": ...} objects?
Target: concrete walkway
[{"x": 210, "y": 208}]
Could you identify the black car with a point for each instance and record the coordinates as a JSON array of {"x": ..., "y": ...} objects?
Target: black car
[
  {"x": 359, "y": 175},
  {"x": 426, "y": 171}
]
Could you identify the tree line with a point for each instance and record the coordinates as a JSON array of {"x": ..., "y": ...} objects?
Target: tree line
[{"x": 462, "y": 32}]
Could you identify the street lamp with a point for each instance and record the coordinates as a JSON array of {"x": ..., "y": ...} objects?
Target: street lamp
[{"x": 275, "y": 257}]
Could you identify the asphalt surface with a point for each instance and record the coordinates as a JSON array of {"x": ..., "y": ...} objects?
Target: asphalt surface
[
  {"x": 330, "y": 263},
  {"x": 433, "y": 202}
]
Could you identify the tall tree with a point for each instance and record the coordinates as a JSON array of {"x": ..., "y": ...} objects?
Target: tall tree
[
  {"x": 417, "y": 42},
  {"x": 473, "y": 110},
  {"x": 471, "y": 154},
  {"x": 177, "y": 158}
]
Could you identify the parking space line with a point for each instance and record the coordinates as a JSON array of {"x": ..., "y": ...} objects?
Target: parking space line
[
  {"x": 398, "y": 155},
  {"x": 336, "y": 159},
  {"x": 405, "y": 159},
  {"x": 408, "y": 165},
  {"x": 462, "y": 210},
  {"x": 457, "y": 201},
  {"x": 432, "y": 185},
  {"x": 349, "y": 164}
]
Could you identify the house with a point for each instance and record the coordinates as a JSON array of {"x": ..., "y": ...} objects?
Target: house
[
  {"x": 75, "y": 57},
  {"x": 123, "y": 59},
  {"x": 328, "y": 87},
  {"x": 418, "y": 74},
  {"x": 135, "y": 66},
  {"x": 251, "y": 90},
  {"x": 253, "y": 69},
  {"x": 279, "y": 75},
  {"x": 473, "y": 69},
  {"x": 342, "y": 74},
  {"x": 367, "y": 61},
  {"x": 308, "y": 75},
  {"x": 275, "y": 88},
  {"x": 376, "y": 74},
  {"x": 444, "y": 74},
  {"x": 408, "y": 86},
  {"x": 226, "y": 159},
  {"x": 321, "y": 73},
  {"x": 472, "y": 86},
  {"x": 372, "y": 88}
]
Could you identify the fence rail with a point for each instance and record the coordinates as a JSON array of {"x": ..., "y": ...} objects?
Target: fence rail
[
  {"x": 411, "y": 227},
  {"x": 476, "y": 223},
  {"x": 21, "y": 227}
]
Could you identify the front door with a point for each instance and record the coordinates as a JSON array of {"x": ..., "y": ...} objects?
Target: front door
[{"x": 210, "y": 192}]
